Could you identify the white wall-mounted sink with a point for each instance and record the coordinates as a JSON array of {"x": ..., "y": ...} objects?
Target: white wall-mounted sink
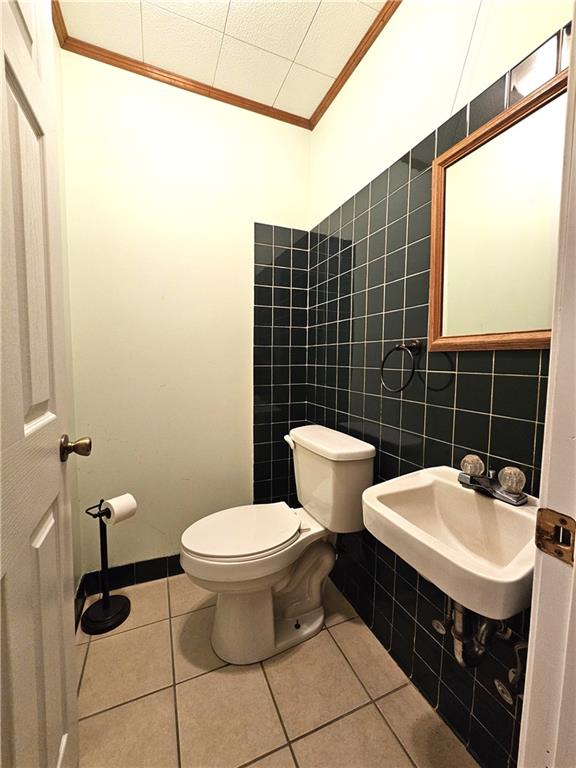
[{"x": 477, "y": 550}]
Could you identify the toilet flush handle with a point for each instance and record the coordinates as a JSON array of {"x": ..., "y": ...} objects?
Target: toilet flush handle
[{"x": 289, "y": 441}]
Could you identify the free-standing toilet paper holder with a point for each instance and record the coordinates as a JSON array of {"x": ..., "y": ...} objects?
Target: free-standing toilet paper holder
[{"x": 111, "y": 610}]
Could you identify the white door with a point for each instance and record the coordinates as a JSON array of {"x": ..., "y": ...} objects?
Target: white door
[
  {"x": 39, "y": 719},
  {"x": 548, "y": 735}
]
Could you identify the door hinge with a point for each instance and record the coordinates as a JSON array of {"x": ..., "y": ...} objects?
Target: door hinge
[{"x": 556, "y": 534}]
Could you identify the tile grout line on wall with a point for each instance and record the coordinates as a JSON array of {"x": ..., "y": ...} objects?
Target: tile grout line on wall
[
  {"x": 535, "y": 443},
  {"x": 490, "y": 414}
]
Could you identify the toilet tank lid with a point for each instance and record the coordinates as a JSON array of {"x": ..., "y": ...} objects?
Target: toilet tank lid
[{"x": 332, "y": 444}]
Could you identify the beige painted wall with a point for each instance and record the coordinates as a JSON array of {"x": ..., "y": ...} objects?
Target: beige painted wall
[
  {"x": 430, "y": 60},
  {"x": 163, "y": 188}
]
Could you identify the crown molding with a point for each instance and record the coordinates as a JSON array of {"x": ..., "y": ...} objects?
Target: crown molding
[
  {"x": 178, "y": 81},
  {"x": 106, "y": 56}
]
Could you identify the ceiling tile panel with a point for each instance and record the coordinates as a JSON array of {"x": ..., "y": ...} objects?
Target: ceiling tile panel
[
  {"x": 285, "y": 53},
  {"x": 250, "y": 71},
  {"x": 377, "y": 6},
  {"x": 178, "y": 44},
  {"x": 112, "y": 25},
  {"x": 302, "y": 91},
  {"x": 334, "y": 33},
  {"x": 212, "y": 14},
  {"x": 278, "y": 26}
]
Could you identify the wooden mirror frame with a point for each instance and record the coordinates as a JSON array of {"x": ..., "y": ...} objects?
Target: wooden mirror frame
[{"x": 506, "y": 119}]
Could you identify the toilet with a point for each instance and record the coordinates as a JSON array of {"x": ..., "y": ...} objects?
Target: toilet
[{"x": 267, "y": 563}]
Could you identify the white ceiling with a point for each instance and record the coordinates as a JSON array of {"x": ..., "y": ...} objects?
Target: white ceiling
[{"x": 283, "y": 53}]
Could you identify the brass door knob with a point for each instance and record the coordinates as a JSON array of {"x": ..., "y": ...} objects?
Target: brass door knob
[{"x": 82, "y": 446}]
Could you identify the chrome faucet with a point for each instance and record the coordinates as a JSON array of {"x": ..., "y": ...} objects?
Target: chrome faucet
[{"x": 507, "y": 486}]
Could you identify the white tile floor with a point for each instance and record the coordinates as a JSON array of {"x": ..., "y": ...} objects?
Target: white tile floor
[{"x": 153, "y": 694}]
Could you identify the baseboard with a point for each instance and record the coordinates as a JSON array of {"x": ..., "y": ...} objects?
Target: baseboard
[{"x": 127, "y": 575}]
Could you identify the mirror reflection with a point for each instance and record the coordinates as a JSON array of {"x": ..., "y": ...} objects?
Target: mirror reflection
[{"x": 502, "y": 204}]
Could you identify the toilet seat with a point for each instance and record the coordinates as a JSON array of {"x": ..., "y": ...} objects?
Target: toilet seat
[
  {"x": 241, "y": 544},
  {"x": 242, "y": 534}
]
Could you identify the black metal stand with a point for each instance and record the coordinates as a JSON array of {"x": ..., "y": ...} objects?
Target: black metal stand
[{"x": 110, "y": 611}]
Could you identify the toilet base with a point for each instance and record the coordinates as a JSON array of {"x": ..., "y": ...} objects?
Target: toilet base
[
  {"x": 251, "y": 642},
  {"x": 290, "y": 632},
  {"x": 252, "y": 626}
]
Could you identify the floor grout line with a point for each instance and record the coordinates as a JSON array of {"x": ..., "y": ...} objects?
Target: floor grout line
[
  {"x": 372, "y": 699},
  {"x": 169, "y": 617},
  {"x": 278, "y": 713},
  {"x": 356, "y": 675},
  {"x": 128, "y": 701},
  {"x": 371, "y": 702},
  {"x": 194, "y": 610},
  {"x": 341, "y": 621},
  {"x": 81, "y": 675},
  {"x": 174, "y": 693},
  {"x": 203, "y": 674},
  {"x": 256, "y": 760},
  {"x": 394, "y": 690},
  {"x": 163, "y": 688},
  {"x": 289, "y": 741},
  {"x": 108, "y": 635},
  {"x": 393, "y": 732},
  {"x": 331, "y": 722}
]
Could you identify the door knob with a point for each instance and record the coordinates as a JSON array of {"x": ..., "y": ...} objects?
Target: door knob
[{"x": 83, "y": 447}]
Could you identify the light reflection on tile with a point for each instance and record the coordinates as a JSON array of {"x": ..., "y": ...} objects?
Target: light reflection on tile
[
  {"x": 534, "y": 71},
  {"x": 566, "y": 46}
]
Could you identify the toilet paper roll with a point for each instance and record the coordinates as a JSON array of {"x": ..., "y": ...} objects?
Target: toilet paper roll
[{"x": 120, "y": 508}]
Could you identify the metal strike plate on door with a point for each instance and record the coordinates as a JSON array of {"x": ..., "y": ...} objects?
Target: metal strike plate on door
[{"x": 556, "y": 534}]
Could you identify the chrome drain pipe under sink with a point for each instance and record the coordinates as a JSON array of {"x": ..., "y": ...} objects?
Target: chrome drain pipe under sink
[
  {"x": 471, "y": 634},
  {"x": 471, "y": 637}
]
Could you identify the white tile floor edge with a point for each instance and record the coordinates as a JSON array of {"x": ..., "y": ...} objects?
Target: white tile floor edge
[{"x": 331, "y": 631}]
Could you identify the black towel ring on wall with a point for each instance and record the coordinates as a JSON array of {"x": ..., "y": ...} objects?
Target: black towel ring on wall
[{"x": 413, "y": 349}]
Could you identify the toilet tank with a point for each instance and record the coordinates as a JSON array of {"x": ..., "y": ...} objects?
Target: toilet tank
[{"x": 332, "y": 470}]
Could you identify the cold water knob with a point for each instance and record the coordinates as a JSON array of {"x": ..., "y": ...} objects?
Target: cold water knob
[{"x": 512, "y": 480}]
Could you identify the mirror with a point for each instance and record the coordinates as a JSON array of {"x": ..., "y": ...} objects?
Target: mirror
[{"x": 495, "y": 214}]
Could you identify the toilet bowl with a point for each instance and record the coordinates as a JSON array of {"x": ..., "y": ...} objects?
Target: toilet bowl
[{"x": 267, "y": 563}]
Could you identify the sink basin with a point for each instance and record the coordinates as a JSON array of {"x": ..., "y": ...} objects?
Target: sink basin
[{"x": 477, "y": 550}]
